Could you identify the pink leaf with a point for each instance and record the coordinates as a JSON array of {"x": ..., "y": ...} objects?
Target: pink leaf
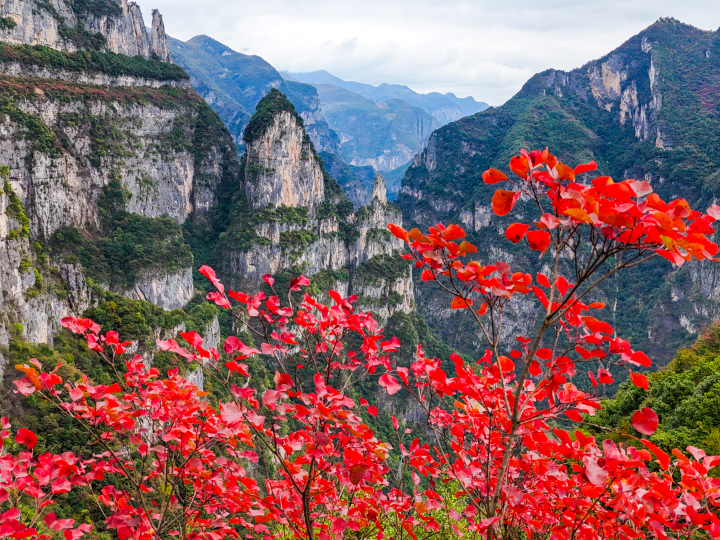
[{"x": 390, "y": 383}]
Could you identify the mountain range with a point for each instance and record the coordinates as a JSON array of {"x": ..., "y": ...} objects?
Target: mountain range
[{"x": 444, "y": 108}]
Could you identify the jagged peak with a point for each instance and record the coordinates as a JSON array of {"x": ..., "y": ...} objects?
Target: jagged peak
[
  {"x": 379, "y": 192},
  {"x": 158, "y": 39},
  {"x": 272, "y": 104}
]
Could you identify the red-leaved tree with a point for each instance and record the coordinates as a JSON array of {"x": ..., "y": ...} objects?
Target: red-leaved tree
[{"x": 299, "y": 458}]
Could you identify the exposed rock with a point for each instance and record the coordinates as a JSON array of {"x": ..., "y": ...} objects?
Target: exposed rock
[
  {"x": 159, "y": 42},
  {"x": 40, "y": 23},
  {"x": 168, "y": 291},
  {"x": 281, "y": 168}
]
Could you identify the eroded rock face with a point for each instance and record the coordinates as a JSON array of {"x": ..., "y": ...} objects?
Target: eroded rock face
[
  {"x": 159, "y": 42},
  {"x": 40, "y": 23},
  {"x": 33, "y": 300},
  {"x": 281, "y": 169},
  {"x": 166, "y": 290}
]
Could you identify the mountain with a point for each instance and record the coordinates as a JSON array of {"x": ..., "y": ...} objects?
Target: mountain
[
  {"x": 382, "y": 135},
  {"x": 233, "y": 83},
  {"x": 649, "y": 110},
  {"x": 444, "y": 108}
]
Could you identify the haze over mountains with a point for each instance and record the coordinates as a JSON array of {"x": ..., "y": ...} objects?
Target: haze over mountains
[{"x": 444, "y": 107}]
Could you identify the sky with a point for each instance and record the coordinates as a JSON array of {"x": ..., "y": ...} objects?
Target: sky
[{"x": 481, "y": 48}]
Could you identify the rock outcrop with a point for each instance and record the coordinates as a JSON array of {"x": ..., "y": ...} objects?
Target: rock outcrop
[
  {"x": 58, "y": 24},
  {"x": 281, "y": 169},
  {"x": 165, "y": 290},
  {"x": 158, "y": 40}
]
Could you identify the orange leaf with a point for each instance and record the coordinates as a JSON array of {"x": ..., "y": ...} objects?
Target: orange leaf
[
  {"x": 483, "y": 309},
  {"x": 398, "y": 232},
  {"x": 506, "y": 365},
  {"x": 520, "y": 166},
  {"x": 639, "y": 380},
  {"x": 516, "y": 232},
  {"x": 460, "y": 303},
  {"x": 539, "y": 240},
  {"x": 493, "y": 176},
  {"x": 549, "y": 159},
  {"x": 565, "y": 172},
  {"x": 503, "y": 201},
  {"x": 467, "y": 247},
  {"x": 416, "y": 235},
  {"x": 579, "y": 214}
]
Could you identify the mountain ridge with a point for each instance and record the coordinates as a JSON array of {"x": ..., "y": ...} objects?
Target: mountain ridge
[{"x": 443, "y": 107}]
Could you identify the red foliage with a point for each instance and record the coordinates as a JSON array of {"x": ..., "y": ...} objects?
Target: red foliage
[{"x": 298, "y": 460}]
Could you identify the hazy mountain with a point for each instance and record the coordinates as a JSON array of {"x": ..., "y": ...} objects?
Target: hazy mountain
[
  {"x": 384, "y": 135},
  {"x": 233, "y": 83},
  {"x": 649, "y": 110},
  {"x": 444, "y": 107}
]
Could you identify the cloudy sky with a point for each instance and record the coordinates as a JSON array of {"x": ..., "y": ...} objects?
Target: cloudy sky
[{"x": 483, "y": 48}]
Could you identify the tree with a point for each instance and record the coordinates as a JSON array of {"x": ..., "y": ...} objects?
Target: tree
[{"x": 299, "y": 458}]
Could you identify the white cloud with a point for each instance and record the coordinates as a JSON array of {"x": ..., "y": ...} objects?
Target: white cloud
[{"x": 483, "y": 48}]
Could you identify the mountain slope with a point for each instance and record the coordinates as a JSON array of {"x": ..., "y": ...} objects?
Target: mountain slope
[
  {"x": 233, "y": 83},
  {"x": 443, "y": 107},
  {"x": 382, "y": 135},
  {"x": 650, "y": 110}
]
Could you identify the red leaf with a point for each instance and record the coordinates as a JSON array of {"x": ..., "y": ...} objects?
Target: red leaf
[
  {"x": 503, "y": 201},
  {"x": 639, "y": 357},
  {"x": 267, "y": 278},
  {"x": 639, "y": 380},
  {"x": 460, "y": 303},
  {"x": 539, "y": 240},
  {"x": 210, "y": 274},
  {"x": 645, "y": 421},
  {"x": 390, "y": 383},
  {"x": 520, "y": 166},
  {"x": 493, "y": 176},
  {"x": 586, "y": 168},
  {"x": 357, "y": 473},
  {"x": 372, "y": 411},
  {"x": 662, "y": 457},
  {"x": 427, "y": 275},
  {"x": 26, "y": 437},
  {"x": 543, "y": 280},
  {"x": 453, "y": 232},
  {"x": 516, "y": 232}
]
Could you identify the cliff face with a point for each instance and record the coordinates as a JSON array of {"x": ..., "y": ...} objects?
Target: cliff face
[
  {"x": 280, "y": 167},
  {"x": 108, "y": 155},
  {"x": 648, "y": 110},
  {"x": 298, "y": 220},
  {"x": 113, "y": 25}
]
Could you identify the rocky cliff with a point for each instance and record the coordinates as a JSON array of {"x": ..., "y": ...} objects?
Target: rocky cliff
[
  {"x": 293, "y": 218},
  {"x": 648, "y": 110},
  {"x": 108, "y": 152},
  {"x": 71, "y": 25}
]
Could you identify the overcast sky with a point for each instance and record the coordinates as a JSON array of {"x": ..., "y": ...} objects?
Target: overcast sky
[{"x": 483, "y": 48}]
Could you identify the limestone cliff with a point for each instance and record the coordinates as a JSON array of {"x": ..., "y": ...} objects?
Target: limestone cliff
[
  {"x": 300, "y": 221},
  {"x": 108, "y": 155},
  {"x": 66, "y": 25}
]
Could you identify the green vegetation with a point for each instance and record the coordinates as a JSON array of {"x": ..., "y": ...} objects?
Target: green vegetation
[
  {"x": 282, "y": 214},
  {"x": 14, "y": 208},
  {"x": 7, "y": 23},
  {"x": 126, "y": 244},
  {"x": 41, "y": 137},
  {"x": 98, "y": 8},
  {"x": 81, "y": 38},
  {"x": 685, "y": 395},
  {"x": 296, "y": 241},
  {"x": 387, "y": 268},
  {"x": 274, "y": 102},
  {"x": 93, "y": 61}
]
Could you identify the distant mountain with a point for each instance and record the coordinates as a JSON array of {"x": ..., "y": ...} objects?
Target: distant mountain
[
  {"x": 233, "y": 83},
  {"x": 384, "y": 136},
  {"x": 444, "y": 107}
]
